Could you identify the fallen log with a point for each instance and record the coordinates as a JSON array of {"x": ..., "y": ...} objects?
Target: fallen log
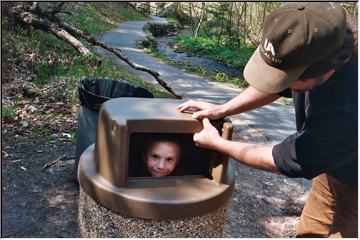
[{"x": 39, "y": 23}]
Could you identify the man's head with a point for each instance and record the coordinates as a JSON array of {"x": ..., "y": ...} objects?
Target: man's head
[
  {"x": 161, "y": 156},
  {"x": 295, "y": 36}
]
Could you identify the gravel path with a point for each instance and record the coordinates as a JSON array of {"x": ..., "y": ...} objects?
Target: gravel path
[{"x": 263, "y": 204}]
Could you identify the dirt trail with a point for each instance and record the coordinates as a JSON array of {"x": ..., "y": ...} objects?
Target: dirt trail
[{"x": 37, "y": 202}]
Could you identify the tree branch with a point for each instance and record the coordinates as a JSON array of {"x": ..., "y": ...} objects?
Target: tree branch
[
  {"x": 31, "y": 19},
  {"x": 201, "y": 19},
  {"x": 117, "y": 52},
  {"x": 57, "y": 8}
]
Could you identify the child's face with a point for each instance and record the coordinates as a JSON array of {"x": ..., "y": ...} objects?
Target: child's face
[{"x": 161, "y": 158}]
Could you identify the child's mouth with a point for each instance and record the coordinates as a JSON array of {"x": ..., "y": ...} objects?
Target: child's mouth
[{"x": 159, "y": 173}]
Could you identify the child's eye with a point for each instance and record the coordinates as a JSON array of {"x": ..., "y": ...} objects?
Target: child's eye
[
  {"x": 155, "y": 156},
  {"x": 169, "y": 159}
]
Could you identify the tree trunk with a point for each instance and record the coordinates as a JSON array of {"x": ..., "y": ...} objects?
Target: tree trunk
[
  {"x": 238, "y": 26},
  {"x": 201, "y": 19},
  {"x": 191, "y": 17},
  {"x": 245, "y": 12},
  {"x": 221, "y": 31},
  {"x": 228, "y": 28},
  {"x": 31, "y": 19}
]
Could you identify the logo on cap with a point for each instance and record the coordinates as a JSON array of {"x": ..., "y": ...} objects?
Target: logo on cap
[{"x": 269, "y": 47}]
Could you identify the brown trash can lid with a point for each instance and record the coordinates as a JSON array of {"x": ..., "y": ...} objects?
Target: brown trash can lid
[{"x": 155, "y": 198}]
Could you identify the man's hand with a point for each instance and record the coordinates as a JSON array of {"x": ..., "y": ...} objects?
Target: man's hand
[
  {"x": 204, "y": 109},
  {"x": 208, "y": 137}
]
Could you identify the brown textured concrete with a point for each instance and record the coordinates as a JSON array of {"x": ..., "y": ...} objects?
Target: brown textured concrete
[{"x": 96, "y": 221}]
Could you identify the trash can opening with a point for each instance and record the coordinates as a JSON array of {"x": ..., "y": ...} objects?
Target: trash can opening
[{"x": 167, "y": 154}]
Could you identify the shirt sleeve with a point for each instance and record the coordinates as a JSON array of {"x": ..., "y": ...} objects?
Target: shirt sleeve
[
  {"x": 284, "y": 155},
  {"x": 286, "y": 93}
]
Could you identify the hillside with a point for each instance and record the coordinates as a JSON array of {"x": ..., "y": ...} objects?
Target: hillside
[{"x": 40, "y": 72}]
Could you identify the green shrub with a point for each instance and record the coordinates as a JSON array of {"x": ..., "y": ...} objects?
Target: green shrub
[
  {"x": 7, "y": 114},
  {"x": 207, "y": 47}
]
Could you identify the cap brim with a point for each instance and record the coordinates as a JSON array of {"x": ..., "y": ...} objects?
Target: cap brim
[{"x": 266, "y": 78}]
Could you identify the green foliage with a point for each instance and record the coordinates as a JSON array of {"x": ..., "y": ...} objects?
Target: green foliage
[
  {"x": 155, "y": 53},
  {"x": 98, "y": 17},
  {"x": 175, "y": 21},
  {"x": 287, "y": 101},
  {"x": 122, "y": 13},
  {"x": 7, "y": 114},
  {"x": 147, "y": 31},
  {"x": 174, "y": 11},
  {"x": 194, "y": 69},
  {"x": 90, "y": 20},
  {"x": 205, "y": 46},
  {"x": 223, "y": 77}
]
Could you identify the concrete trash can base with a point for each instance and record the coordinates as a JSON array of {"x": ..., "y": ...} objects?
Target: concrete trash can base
[
  {"x": 114, "y": 203},
  {"x": 96, "y": 221}
]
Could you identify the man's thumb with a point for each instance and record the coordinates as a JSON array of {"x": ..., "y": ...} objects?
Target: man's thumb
[
  {"x": 206, "y": 122},
  {"x": 198, "y": 115}
]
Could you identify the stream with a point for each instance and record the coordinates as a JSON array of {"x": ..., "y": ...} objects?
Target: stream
[{"x": 165, "y": 46}]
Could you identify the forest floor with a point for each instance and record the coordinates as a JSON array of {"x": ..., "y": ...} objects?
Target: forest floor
[{"x": 39, "y": 194}]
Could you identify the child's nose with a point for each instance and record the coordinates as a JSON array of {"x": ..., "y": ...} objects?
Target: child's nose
[{"x": 161, "y": 164}]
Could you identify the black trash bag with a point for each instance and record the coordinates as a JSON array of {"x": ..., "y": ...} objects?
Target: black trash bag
[{"x": 92, "y": 93}]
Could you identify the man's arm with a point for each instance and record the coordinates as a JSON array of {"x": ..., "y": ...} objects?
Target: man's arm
[
  {"x": 249, "y": 99},
  {"x": 253, "y": 155}
]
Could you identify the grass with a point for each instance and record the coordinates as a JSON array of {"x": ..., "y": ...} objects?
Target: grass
[
  {"x": 194, "y": 69},
  {"x": 287, "y": 101},
  {"x": 97, "y": 17},
  {"x": 7, "y": 113},
  {"x": 175, "y": 21},
  {"x": 224, "y": 78},
  {"x": 204, "y": 46},
  {"x": 155, "y": 53}
]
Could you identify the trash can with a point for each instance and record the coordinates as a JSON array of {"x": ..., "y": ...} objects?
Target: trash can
[
  {"x": 92, "y": 93},
  {"x": 116, "y": 202}
]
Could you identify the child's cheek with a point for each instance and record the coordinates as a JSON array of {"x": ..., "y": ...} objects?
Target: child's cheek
[{"x": 152, "y": 162}]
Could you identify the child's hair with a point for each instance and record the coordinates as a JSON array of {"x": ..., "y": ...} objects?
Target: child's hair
[{"x": 162, "y": 137}]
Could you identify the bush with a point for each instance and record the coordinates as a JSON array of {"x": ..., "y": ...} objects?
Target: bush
[
  {"x": 7, "y": 114},
  {"x": 207, "y": 47}
]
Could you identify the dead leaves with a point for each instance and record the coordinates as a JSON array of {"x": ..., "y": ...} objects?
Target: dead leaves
[{"x": 51, "y": 109}]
